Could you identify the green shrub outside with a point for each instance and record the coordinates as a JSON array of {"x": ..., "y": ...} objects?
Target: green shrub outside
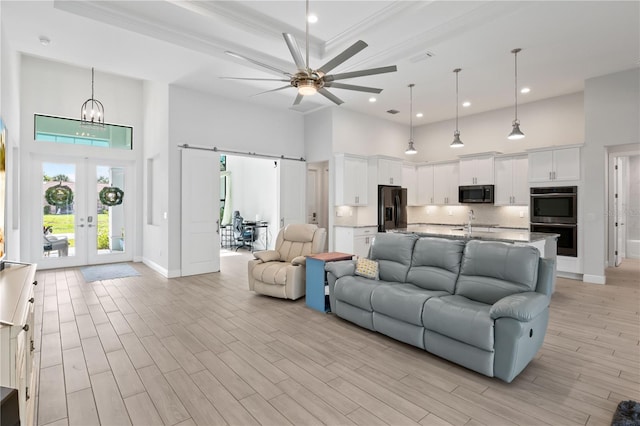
[{"x": 64, "y": 224}]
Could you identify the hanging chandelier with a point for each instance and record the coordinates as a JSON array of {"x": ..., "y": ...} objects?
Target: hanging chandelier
[
  {"x": 457, "y": 143},
  {"x": 411, "y": 150},
  {"x": 92, "y": 111},
  {"x": 516, "y": 133}
]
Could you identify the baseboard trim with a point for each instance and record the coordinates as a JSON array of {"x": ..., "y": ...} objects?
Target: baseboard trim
[
  {"x": 594, "y": 279},
  {"x": 159, "y": 269},
  {"x": 569, "y": 275}
]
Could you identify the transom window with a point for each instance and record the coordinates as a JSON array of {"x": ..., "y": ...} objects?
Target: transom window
[{"x": 70, "y": 131}]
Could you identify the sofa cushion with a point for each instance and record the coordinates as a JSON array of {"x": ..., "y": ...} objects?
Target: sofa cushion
[
  {"x": 493, "y": 270},
  {"x": 461, "y": 319},
  {"x": 356, "y": 291},
  {"x": 393, "y": 253},
  {"x": 402, "y": 301},
  {"x": 367, "y": 268},
  {"x": 271, "y": 272},
  {"x": 436, "y": 263}
]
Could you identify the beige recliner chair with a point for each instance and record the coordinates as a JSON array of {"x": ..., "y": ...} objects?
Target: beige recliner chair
[{"x": 281, "y": 272}]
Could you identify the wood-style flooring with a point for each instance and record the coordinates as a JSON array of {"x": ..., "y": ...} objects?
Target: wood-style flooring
[{"x": 204, "y": 350}]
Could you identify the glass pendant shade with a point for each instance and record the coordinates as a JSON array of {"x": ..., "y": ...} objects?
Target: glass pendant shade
[
  {"x": 516, "y": 133},
  {"x": 457, "y": 143},
  {"x": 92, "y": 111},
  {"x": 411, "y": 150}
]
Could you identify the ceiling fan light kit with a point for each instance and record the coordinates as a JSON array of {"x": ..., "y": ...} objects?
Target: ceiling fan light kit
[
  {"x": 310, "y": 81},
  {"x": 516, "y": 133},
  {"x": 411, "y": 150},
  {"x": 457, "y": 143}
]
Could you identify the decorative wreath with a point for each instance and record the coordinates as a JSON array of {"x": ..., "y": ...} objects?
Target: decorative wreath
[
  {"x": 111, "y": 196},
  {"x": 59, "y": 195}
]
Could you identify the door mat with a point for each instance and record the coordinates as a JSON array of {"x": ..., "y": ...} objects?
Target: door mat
[{"x": 108, "y": 272}]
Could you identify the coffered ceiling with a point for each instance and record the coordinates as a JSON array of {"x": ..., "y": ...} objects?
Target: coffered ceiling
[{"x": 182, "y": 42}]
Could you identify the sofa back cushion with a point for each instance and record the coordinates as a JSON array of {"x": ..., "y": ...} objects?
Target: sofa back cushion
[
  {"x": 436, "y": 263},
  {"x": 393, "y": 253},
  {"x": 493, "y": 270}
]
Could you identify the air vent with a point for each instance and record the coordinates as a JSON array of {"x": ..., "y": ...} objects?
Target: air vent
[
  {"x": 422, "y": 56},
  {"x": 393, "y": 111}
]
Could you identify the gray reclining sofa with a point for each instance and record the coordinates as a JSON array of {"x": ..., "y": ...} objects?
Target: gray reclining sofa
[{"x": 481, "y": 304}]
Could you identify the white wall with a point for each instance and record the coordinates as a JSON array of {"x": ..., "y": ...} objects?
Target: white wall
[
  {"x": 633, "y": 198},
  {"x": 54, "y": 88},
  {"x": 318, "y": 135},
  {"x": 549, "y": 122},
  {"x": 612, "y": 117}
]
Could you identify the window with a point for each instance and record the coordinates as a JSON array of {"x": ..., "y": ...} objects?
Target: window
[{"x": 70, "y": 131}]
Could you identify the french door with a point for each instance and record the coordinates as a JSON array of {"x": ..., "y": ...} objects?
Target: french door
[{"x": 73, "y": 224}]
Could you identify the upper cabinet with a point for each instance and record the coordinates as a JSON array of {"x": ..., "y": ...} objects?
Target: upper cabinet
[
  {"x": 511, "y": 180},
  {"x": 445, "y": 183},
  {"x": 553, "y": 165},
  {"x": 410, "y": 181},
  {"x": 389, "y": 170},
  {"x": 351, "y": 180},
  {"x": 425, "y": 184},
  {"x": 477, "y": 169}
]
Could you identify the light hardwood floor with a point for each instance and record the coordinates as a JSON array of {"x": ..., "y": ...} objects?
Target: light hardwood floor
[{"x": 204, "y": 350}]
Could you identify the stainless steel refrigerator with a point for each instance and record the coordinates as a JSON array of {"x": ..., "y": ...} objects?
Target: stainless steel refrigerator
[{"x": 392, "y": 208}]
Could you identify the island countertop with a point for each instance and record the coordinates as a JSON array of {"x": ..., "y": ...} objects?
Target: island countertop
[{"x": 509, "y": 236}]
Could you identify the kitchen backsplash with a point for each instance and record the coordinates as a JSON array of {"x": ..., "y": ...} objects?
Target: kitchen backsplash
[{"x": 508, "y": 216}]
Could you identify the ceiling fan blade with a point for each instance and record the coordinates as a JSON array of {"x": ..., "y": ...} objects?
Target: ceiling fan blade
[
  {"x": 333, "y": 98},
  {"x": 253, "y": 61},
  {"x": 361, "y": 73},
  {"x": 298, "y": 99},
  {"x": 352, "y": 87},
  {"x": 254, "y": 79},
  {"x": 272, "y": 90},
  {"x": 295, "y": 51},
  {"x": 348, "y": 53}
]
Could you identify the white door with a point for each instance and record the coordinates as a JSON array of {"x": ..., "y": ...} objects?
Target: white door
[
  {"x": 200, "y": 228},
  {"x": 312, "y": 196},
  {"x": 73, "y": 226},
  {"x": 618, "y": 210},
  {"x": 291, "y": 187}
]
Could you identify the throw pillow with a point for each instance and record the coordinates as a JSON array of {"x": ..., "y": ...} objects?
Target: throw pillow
[{"x": 367, "y": 268}]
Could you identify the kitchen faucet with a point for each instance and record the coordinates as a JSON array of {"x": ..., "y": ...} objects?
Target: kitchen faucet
[{"x": 471, "y": 217}]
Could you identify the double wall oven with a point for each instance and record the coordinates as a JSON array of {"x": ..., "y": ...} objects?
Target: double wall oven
[{"x": 555, "y": 210}]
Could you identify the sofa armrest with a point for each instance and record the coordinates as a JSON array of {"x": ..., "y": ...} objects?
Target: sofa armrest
[
  {"x": 267, "y": 255},
  {"x": 521, "y": 306},
  {"x": 299, "y": 260},
  {"x": 341, "y": 268}
]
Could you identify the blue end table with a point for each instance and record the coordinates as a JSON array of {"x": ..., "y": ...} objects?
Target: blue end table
[{"x": 317, "y": 294}]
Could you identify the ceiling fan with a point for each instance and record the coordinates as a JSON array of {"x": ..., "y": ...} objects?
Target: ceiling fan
[{"x": 310, "y": 81}]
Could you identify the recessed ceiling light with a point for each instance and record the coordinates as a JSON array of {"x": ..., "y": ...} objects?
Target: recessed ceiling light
[
  {"x": 525, "y": 90},
  {"x": 312, "y": 19},
  {"x": 372, "y": 99},
  {"x": 466, "y": 104},
  {"x": 44, "y": 40},
  {"x": 419, "y": 115}
]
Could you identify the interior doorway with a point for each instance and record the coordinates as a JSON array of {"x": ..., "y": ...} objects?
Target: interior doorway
[{"x": 317, "y": 205}]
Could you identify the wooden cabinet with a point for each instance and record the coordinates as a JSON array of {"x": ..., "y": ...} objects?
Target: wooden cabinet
[
  {"x": 17, "y": 306},
  {"x": 511, "y": 180},
  {"x": 410, "y": 181},
  {"x": 477, "y": 170},
  {"x": 445, "y": 183},
  {"x": 351, "y": 176},
  {"x": 554, "y": 165},
  {"x": 356, "y": 240},
  {"x": 425, "y": 184},
  {"x": 388, "y": 170}
]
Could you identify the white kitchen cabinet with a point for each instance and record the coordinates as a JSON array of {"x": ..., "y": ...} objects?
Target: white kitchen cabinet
[
  {"x": 511, "y": 181},
  {"x": 17, "y": 335},
  {"x": 388, "y": 170},
  {"x": 477, "y": 170},
  {"x": 554, "y": 165},
  {"x": 445, "y": 183},
  {"x": 410, "y": 181},
  {"x": 425, "y": 184},
  {"x": 354, "y": 240},
  {"x": 351, "y": 176}
]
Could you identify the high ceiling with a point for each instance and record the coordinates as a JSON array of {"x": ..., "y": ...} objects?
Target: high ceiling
[{"x": 182, "y": 42}]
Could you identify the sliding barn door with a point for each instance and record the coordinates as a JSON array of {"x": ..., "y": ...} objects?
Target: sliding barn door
[
  {"x": 200, "y": 212},
  {"x": 292, "y": 187}
]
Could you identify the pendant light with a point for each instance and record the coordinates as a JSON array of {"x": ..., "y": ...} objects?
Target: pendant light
[
  {"x": 457, "y": 143},
  {"x": 516, "y": 133},
  {"x": 411, "y": 150},
  {"x": 92, "y": 111}
]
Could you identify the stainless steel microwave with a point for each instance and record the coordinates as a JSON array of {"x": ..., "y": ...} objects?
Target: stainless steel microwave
[{"x": 475, "y": 194}]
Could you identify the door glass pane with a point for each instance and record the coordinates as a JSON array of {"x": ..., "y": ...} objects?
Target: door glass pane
[
  {"x": 58, "y": 211},
  {"x": 110, "y": 218}
]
